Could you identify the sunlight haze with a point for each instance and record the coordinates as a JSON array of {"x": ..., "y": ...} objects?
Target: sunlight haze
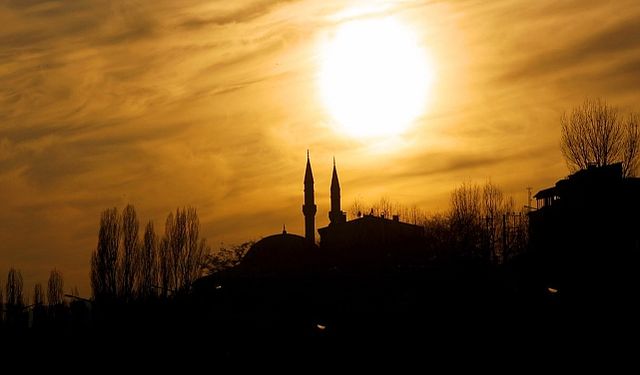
[{"x": 374, "y": 78}]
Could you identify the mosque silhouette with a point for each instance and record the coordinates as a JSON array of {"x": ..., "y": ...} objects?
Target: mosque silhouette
[{"x": 364, "y": 241}]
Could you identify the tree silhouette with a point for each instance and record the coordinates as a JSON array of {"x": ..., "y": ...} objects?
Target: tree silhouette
[
  {"x": 413, "y": 215},
  {"x": 127, "y": 259},
  {"x": 55, "y": 288},
  {"x": 357, "y": 208},
  {"x": 1, "y": 305},
  {"x": 38, "y": 295},
  {"x": 595, "y": 133},
  {"x": 148, "y": 263},
  {"x": 14, "y": 290},
  {"x": 387, "y": 208},
  {"x": 465, "y": 217},
  {"x": 193, "y": 261},
  {"x": 186, "y": 251},
  {"x": 438, "y": 234},
  {"x": 104, "y": 260},
  {"x": 631, "y": 145},
  {"x": 174, "y": 235},
  {"x": 124, "y": 268},
  {"x": 164, "y": 263},
  {"x": 39, "y": 309},
  {"x": 15, "y": 298},
  {"x": 227, "y": 257},
  {"x": 384, "y": 207},
  {"x": 494, "y": 209},
  {"x": 483, "y": 223}
]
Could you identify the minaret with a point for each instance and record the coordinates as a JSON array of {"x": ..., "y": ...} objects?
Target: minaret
[
  {"x": 309, "y": 207},
  {"x": 336, "y": 215}
]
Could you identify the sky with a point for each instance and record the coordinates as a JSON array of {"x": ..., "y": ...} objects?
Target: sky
[{"x": 213, "y": 104}]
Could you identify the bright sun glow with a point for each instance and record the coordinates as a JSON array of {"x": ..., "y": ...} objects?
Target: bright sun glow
[{"x": 374, "y": 77}]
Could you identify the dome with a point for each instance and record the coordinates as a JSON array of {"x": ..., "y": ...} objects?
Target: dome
[{"x": 278, "y": 253}]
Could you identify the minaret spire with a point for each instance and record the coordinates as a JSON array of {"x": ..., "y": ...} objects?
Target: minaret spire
[
  {"x": 309, "y": 207},
  {"x": 336, "y": 215}
]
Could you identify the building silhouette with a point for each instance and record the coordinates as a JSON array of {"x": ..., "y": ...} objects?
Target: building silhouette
[
  {"x": 309, "y": 208},
  {"x": 282, "y": 253},
  {"x": 585, "y": 231},
  {"x": 367, "y": 239},
  {"x": 336, "y": 215}
]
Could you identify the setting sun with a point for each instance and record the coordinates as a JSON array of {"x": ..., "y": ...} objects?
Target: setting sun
[{"x": 374, "y": 77}]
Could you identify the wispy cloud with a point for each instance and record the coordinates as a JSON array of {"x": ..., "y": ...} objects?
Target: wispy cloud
[{"x": 243, "y": 14}]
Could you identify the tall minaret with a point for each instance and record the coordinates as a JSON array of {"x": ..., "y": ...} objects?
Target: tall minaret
[
  {"x": 336, "y": 215},
  {"x": 309, "y": 207}
]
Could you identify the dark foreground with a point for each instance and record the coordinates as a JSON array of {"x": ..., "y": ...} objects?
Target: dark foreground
[{"x": 403, "y": 313}]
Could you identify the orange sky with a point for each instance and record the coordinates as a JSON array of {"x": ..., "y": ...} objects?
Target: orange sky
[{"x": 212, "y": 104}]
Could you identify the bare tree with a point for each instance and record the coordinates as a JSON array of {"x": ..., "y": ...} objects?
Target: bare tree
[
  {"x": 478, "y": 220},
  {"x": 164, "y": 265},
  {"x": 227, "y": 256},
  {"x": 387, "y": 207},
  {"x": 104, "y": 260},
  {"x": 465, "y": 205},
  {"x": 96, "y": 278},
  {"x": 415, "y": 215},
  {"x": 465, "y": 218},
  {"x": 515, "y": 234},
  {"x": 1, "y": 304},
  {"x": 39, "y": 309},
  {"x": 493, "y": 209},
  {"x": 148, "y": 263},
  {"x": 15, "y": 296},
  {"x": 126, "y": 264},
  {"x": 123, "y": 267},
  {"x": 55, "y": 291},
  {"x": 384, "y": 207},
  {"x": 174, "y": 234},
  {"x": 631, "y": 146},
  {"x": 357, "y": 208},
  {"x": 193, "y": 259},
  {"x": 594, "y": 133},
  {"x": 38, "y": 295},
  {"x": 186, "y": 250}
]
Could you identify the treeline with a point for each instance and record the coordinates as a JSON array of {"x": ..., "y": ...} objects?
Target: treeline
[
  {"x": 134, "y": 274},
  {"x": 47, "y": 307},
  {"x": 385, "y": 207},
  {"x": 482, "y": 223},
  {"x": 128, "y": 265}
]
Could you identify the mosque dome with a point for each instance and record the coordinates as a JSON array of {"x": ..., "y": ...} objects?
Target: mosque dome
[{"x": 279, "y": 253}]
